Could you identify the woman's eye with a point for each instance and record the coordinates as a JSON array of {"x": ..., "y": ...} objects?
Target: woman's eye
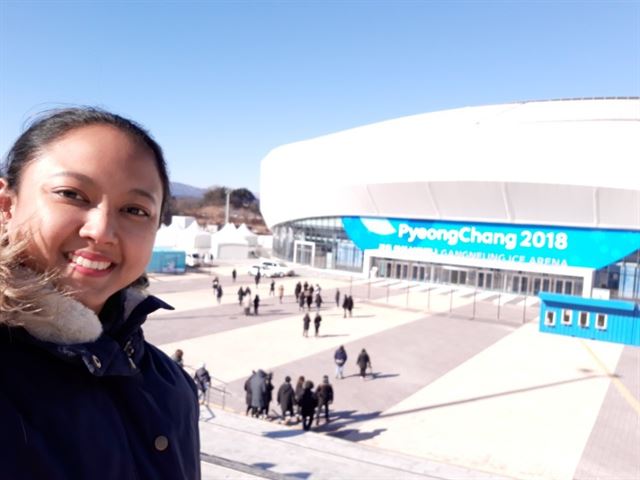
[
  {"x": 136, "y": 211},
  {"x": 70, "y": 194}
]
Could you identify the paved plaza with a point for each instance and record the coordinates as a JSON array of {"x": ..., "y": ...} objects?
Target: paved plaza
[{"x": 462, "y": 380}]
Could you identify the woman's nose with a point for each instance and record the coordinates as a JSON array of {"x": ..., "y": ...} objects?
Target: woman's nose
[{"x": 99, "y": 226}]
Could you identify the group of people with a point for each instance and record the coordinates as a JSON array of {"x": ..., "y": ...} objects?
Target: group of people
[
  {"x": 304, "y": 294},
  {"x": 246, "y": 301},
  {"x": 363, "y": 362},
  {"x": 306, "y": 323},
  {"x": 301, "y": 402}
]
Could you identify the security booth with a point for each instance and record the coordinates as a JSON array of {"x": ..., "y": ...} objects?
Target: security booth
[
  {"x": 615, "y": 321},
  {"x": 167, "y": 260}
]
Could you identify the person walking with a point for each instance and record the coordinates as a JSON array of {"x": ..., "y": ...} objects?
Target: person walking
[
  {"x": 257, "y": 278},
  {"x": 337, "y": 297},
  {"x": 298, "y": 395},
  {"x": 256, "y": 304},
  {"x": 316, "y": 323},
  {"x": 234, "y": 274},
  {"x": 268, "y": 396},
  {"x": 345, "y": 305},
  {"x": 280, "y": 292},
  {"x": 240, "y": 295},
  {"x": 301, "y": 300},
  {"x": 247, "y": 392},
  {"x": 247, "y": 304},
  {"x": 272, "y": 288},
  {"x": 340, "y": 357},
  {"x": 324, "y": 393},
  {"x": 309, "y": 300},
  {"x": 203, "y": 380},
  {"x": 306, "y": 321},
  {"x": 257, "y": 385},
  {"x": 286, "y": 399},
  {"x": 219, "y": 294},
  {"x": 318, "y": 301},
  {"x": 350, "y": 305},
  {"x": 363, "y": 362},
  {"x": 308, "y": 403},
  {"x": 297, "y": 290}
]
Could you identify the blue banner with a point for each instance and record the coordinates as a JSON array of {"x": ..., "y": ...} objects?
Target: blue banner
[{"x": 573, "y": 247}]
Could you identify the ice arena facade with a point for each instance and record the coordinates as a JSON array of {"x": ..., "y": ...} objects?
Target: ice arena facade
[{"x": 521, "y": 197}]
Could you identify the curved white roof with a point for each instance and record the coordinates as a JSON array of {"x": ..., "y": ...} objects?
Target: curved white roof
[{"x": 564, "y": 162}]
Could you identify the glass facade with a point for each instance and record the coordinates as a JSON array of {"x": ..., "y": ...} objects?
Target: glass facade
[{"x": 323, "y": 243}]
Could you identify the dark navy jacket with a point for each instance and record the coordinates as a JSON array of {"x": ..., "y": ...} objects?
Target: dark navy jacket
[{"x": 116, "y": 408}]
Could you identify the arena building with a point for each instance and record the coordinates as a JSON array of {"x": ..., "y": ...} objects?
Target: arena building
[{"x": 522, "y": 197}]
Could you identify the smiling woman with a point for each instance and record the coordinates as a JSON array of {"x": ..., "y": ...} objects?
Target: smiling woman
[{"x": 81, "y": 199}]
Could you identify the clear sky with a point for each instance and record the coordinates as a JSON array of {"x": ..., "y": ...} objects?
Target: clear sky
[{"x": 220, "y": 84}]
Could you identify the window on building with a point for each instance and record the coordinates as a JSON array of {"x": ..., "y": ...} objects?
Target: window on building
[
  {"x": 566, "y": 317},
  {"x": 550, "y": 318},
  {"x": 601, "y": 321},
  {"x": 583, "y": 319}
]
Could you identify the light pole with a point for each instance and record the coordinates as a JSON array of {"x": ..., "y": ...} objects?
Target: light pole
[{"x": 226, "y": 215}]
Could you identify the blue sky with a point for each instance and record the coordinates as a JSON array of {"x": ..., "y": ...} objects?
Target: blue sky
[{"x": 220, "y": 84}]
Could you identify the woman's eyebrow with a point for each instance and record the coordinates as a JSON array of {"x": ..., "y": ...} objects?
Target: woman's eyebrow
[{"x": 85, "y": 178}]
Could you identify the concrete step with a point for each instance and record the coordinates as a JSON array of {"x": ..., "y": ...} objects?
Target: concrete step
[{"x": 234, "y": 446}]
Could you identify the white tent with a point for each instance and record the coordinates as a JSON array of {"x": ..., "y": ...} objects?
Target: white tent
[
  {"x": 229, "y": 244},
  {"x": 251, "y": 237},
  {"x": 194, "y": 239}
]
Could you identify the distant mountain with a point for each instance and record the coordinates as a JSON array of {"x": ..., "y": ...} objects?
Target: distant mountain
[{"x": 182, "y": 190}]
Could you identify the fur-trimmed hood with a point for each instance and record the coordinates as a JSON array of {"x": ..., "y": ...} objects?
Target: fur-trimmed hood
[{"x": 48, "y": 315}]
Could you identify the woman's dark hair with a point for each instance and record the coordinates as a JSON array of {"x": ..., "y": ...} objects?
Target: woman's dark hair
[{"x": 54, "y": 124}]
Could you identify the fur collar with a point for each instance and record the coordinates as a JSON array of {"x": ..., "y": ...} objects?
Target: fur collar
[{"x": 58, "y": 319}]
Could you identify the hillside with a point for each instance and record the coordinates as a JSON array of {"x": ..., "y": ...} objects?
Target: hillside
[{"x": 209, "y": 207}]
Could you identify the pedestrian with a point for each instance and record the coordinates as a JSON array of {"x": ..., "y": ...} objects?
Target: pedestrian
[
  {"x": 324, "y": 393},
  {"x": 215, "y": 283},
  {"x": 286, "y": 399},
  {"x": 297, "y": 290},
  {"x": 219, "y": 294},
  {"x": 240, "y": 295},
  {"x": 340, "y": 357},
  {"x": 247, "y": 392},
  {"x": 337, "y": 298},
  {"x": 363, "y": 362},
  {"x": 318, "y": 289},
  {"x": 306, "y": 321},
  {"x": 257, "y": 386},
  {"x": 272, "y": 288},
  {"x": 203, "y": 380},
  {"x": 178, "y": 357},
  {"x": 256, "y": 304},
  {"x": 316, "y": 323},
  {"x": 268, "y": 395},
  {"x": 82, "y": 194},
  {"x": 309, "y": 301},
  {"x": 280, "y": 292},
  {"x": 345, "y": 305},
  {"x": 308, "y": 403},
  {"x": 301, "y": 301},
  {"x": 318, "y": 301},
  {"x": 257, "y": 278},
  {"x": 298, "y": 396},
  {"x": 234, "y": 274},
  {"x": 247, "y": 304},
  {"x": 350, "y": 305}
]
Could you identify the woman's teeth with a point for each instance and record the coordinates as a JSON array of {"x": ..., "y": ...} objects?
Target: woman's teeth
[{"x": 83, "y": 262}]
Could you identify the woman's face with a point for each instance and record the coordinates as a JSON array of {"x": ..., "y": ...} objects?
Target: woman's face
[{"x": 90, "y": 205}]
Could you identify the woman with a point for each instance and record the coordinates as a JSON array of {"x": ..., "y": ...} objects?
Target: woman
[
  {"x": 364, "y": 362},
  {"x": 82, "y": 394}
]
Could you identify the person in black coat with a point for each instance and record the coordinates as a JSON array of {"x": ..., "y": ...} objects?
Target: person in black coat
[
  {"x": 308, "y": 403},
  {"x": 298, "y": 395},
  {"x": 257, "y": 385},
  {"x": 309, "y": 301},
  {"x": 301, "y": 300},
  {"x": 240, "y": 295},
  {"x": 363, "y": 362},
  {"x": 350, "y": 305},
  {"x": 340, "y": 357},
  {"x": 306, "y": 321},
  {"x": 337, "y": 297},
  {"x": 297, "y": 291},
  {"x": 316, "y": 322},
  {"x": 256, "y": 304},
  {"x": 203, "y": 380},
  {"x": 268, "y": 395},
  {"x": 345, "y": 305},
  {"x": 286, "y": 399},
  {"x": 324, "y": 393},
  {"x": 247, "y": 392}
]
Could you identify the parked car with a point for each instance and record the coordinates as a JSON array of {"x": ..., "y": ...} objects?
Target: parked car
[
  {"x": 269, "y": 268},
  {"x": 193, "y": 260}
]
